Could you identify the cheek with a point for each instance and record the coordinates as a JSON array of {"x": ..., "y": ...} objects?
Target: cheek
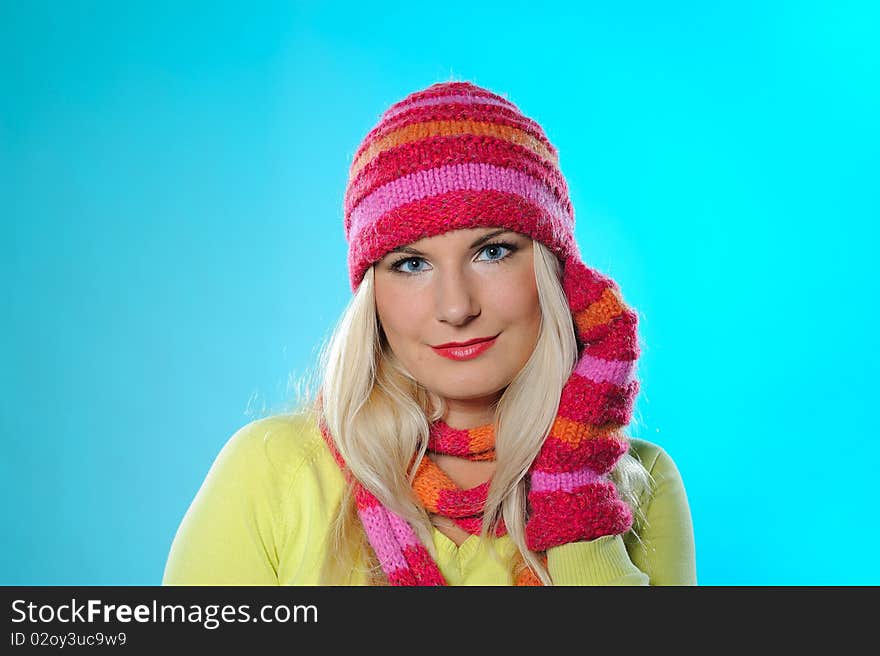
[
  {"x": 517, "y": 299},
  {"x": 398, "y": 312}
]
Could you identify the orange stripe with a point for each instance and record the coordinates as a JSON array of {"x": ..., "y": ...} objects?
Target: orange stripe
[
  {"x": 528, "y": 577},
  {"x": 600, "y": 312},
  {"x": 574, "y": 432},
  {"x": 416, "y": 131},
  {"x": 429, "y": 482},
  {"x": 481, "y": 439},
  {"x": 524, "y": 574}
]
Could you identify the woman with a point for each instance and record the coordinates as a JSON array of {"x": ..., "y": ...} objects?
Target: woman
[{"x": 469, "y": 425}]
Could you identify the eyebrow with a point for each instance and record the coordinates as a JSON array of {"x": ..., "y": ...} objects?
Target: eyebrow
[{"x": 481, "y": 240}]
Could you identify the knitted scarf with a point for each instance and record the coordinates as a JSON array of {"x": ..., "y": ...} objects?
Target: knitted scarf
[
  {"x": 404, "y": 559},
  {"x": 595, "y": 404}
]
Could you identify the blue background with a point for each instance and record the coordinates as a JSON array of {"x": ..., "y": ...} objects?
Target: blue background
[{"x": 171, "y": 184}]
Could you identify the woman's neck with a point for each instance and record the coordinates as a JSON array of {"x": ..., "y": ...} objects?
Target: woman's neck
[
  {"x": 462, "y": 418},
  {"x": 471, "y": 413}
]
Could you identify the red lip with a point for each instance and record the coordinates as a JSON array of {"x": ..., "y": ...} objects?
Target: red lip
[
  {"x": 470, "y": 351},
  {"x": 476, "y": 340}
]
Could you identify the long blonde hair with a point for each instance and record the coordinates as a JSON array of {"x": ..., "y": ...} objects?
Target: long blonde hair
[{"x": 379, "y": 416}]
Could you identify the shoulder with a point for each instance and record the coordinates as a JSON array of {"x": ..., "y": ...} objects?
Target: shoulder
[
  {"x": 652, "y": 456},
  {"x": 661, "y": 542},
  {"x": 278, "y": 444},
  {"x": 660, "y": 466},
  {"x": 648, "y": 453}
]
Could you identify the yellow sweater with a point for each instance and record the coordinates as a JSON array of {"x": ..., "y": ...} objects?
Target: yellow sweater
[{"x": 263, "y": 513}]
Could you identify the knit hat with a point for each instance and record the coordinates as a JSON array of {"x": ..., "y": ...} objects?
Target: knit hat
[{"x": 450, "y": 157}]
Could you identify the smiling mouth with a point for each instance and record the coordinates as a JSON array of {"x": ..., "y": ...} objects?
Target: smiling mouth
[
  {"x": 467, "y": 352},
  {"x": 470, "y": 342}
]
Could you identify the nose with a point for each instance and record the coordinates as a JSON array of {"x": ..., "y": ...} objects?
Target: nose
[{"x": 456, "y": 297}]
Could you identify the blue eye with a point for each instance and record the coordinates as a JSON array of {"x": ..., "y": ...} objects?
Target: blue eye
[
  {"x": 396, "y": 266},
  {"x": 489, "y": 248},
  {"x": 495, "y": 248}
]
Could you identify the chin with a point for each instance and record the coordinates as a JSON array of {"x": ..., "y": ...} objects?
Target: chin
[{"x": 464, "y": 391}]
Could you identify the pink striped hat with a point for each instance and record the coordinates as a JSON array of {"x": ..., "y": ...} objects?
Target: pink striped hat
[{"x": 453, "y": 156}]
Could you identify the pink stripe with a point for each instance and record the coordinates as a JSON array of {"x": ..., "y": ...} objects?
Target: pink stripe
[
  {"x": 564, "y": 481},
  {"x": 377, "y": 525},
  {"x": 396, "y": 526},
  {"x": 406, "y": 537},
  {"x": 619, "y": 372},
  {"x": 473, "y": 177},
  {"x": 443, "y": 100}
]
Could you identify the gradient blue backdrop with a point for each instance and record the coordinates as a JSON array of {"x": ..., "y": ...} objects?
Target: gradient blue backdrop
[{"x": 171, "y": 183}]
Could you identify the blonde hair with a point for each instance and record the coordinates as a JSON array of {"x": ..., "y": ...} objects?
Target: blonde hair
[{"x": 379, "y": 416}]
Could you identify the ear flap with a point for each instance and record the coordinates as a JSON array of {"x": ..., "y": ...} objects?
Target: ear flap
[{"x": 603, "y": 386}]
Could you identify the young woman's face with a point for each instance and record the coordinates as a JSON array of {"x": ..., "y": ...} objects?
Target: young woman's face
[{"x": 456, "y": 287}]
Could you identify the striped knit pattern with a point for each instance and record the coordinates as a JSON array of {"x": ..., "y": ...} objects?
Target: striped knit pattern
[
  {"x": 438, "y": 493},
  {"x": 403, "y": 558},
  {"x": 456, "y": 156},
  {"x": 471, "y": 443},
  {"x": 453, "y": 156}
]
